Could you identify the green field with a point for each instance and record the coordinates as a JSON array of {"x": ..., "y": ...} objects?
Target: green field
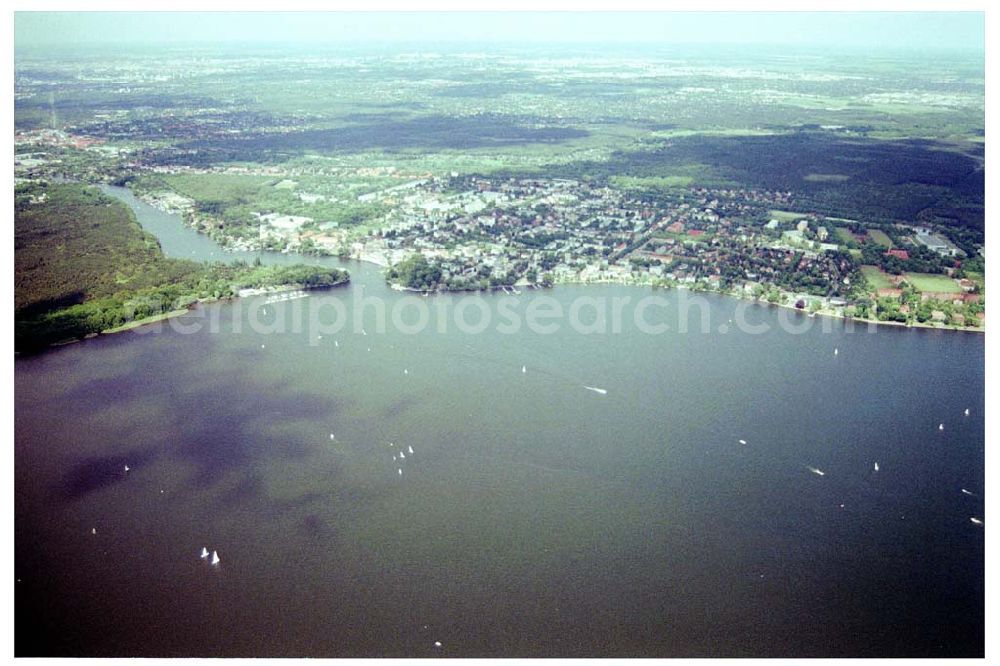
[
  {"x": 786, "y": 216},
  {"x": 844, "y": 235},
  {"x": 825, "y": 177},
  {"x": 652, "y": 181},
  {"x": 876, "y": 278},
  {"x": 880, "y": 237},
  {"x": 931, "y": 282}
]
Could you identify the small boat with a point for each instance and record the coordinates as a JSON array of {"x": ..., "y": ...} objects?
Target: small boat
[
  {"x": 262, "y": 346},
  {"x": 596, "y": 390},
  {"x": 743, "y": 441},
  {"x": 941, "y": 426},
  {"x": 524, "y": 369},
  {"x": 331, "y": 436},
  {"x": 976, "y": 521},
  {"x": 966, "y": 411},
  {"x": 204, "y": 552},
  {"x": 93, "y": 530},
  {"x": 816, "y": 471},
  {"x": 437, "y": 643},
  {"x": 968, "y": 492},
  {"x": 393, "y": 457},
  {"x": 400, "y": 471},
  {"x": 402, "y": 455},
  {"x": 876, "y": 467},
  {"x": 410, "y": 449},
  {"x": 126, "y": 468},
  {"x": 215, "y": 557},
  {"x": 835, "y": 351},
  {"x": 336, "y": 343},
  {"x": 405, "y": 371}
]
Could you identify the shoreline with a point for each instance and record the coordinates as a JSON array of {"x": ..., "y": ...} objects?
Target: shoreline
[
  {"x": 172, "y": 314},
  {"x": 374, "y": 260},
  {"x": 630, "y": 283}
]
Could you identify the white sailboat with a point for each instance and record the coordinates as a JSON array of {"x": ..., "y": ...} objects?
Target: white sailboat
[
  {"x": 966, "y": 411},
  {"x": 126, "y": 468},
  {"x": 524, "y": 369},
  {"x": 215, "y": 557},
  {"x": 876, "y": 467},
  {"x": 940, "y": 426},
  {"x": 743, "y": 441},
  {"x": 410, "y": 449},
  {"x": 204, "y": 552}
]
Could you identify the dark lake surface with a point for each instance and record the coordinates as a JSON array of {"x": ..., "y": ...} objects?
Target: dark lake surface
[{"x": 535, "y": 517}]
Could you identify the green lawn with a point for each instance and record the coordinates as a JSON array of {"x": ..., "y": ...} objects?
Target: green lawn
[
  {"x": 786, "y": 216},
  {"x": 845, "y": 234},
  {"x": 931, "y": 282},
  {"x": 880, "y": 237},
  {"x": 652, "y": 181},
  {"x": 877, "y": 279}
]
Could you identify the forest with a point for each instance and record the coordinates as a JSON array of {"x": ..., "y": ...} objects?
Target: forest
[{"x": 83, "y": 265}]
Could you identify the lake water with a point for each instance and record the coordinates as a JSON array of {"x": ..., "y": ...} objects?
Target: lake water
[{"x": 534, "y": 517}]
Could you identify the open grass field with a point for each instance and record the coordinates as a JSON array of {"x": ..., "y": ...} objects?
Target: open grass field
[
  {"x": 844, "y": 234},
  {"x": 652, "y": 182},
  {"x": 227, "y": 188},
  {"x": 931, "y": 282},
  {"x": 877, "y": 279},
  {"x": 880, "y": 237},
  {"x": 786, "y": 216},
  {"x": 825, "y": 177}
]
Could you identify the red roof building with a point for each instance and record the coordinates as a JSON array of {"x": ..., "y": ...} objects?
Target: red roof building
[{"x": 899, "y": 254}]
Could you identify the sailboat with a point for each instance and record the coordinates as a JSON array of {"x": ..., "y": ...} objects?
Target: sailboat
[
  {"x": 876, "y": 467},
  {"x": 215, "y": 557},
  {"x": 126, "y": 468},
  {"x": 410, "y": 449},
  {"x": 940, "y": 426},
  {"x": 966, "y": 411},
  {"x": 204, "y": 552},
  {"x": 524, "y": 369}
]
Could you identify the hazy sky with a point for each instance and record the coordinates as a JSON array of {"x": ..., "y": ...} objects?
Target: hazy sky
[{"x": 893, "y": 30}]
